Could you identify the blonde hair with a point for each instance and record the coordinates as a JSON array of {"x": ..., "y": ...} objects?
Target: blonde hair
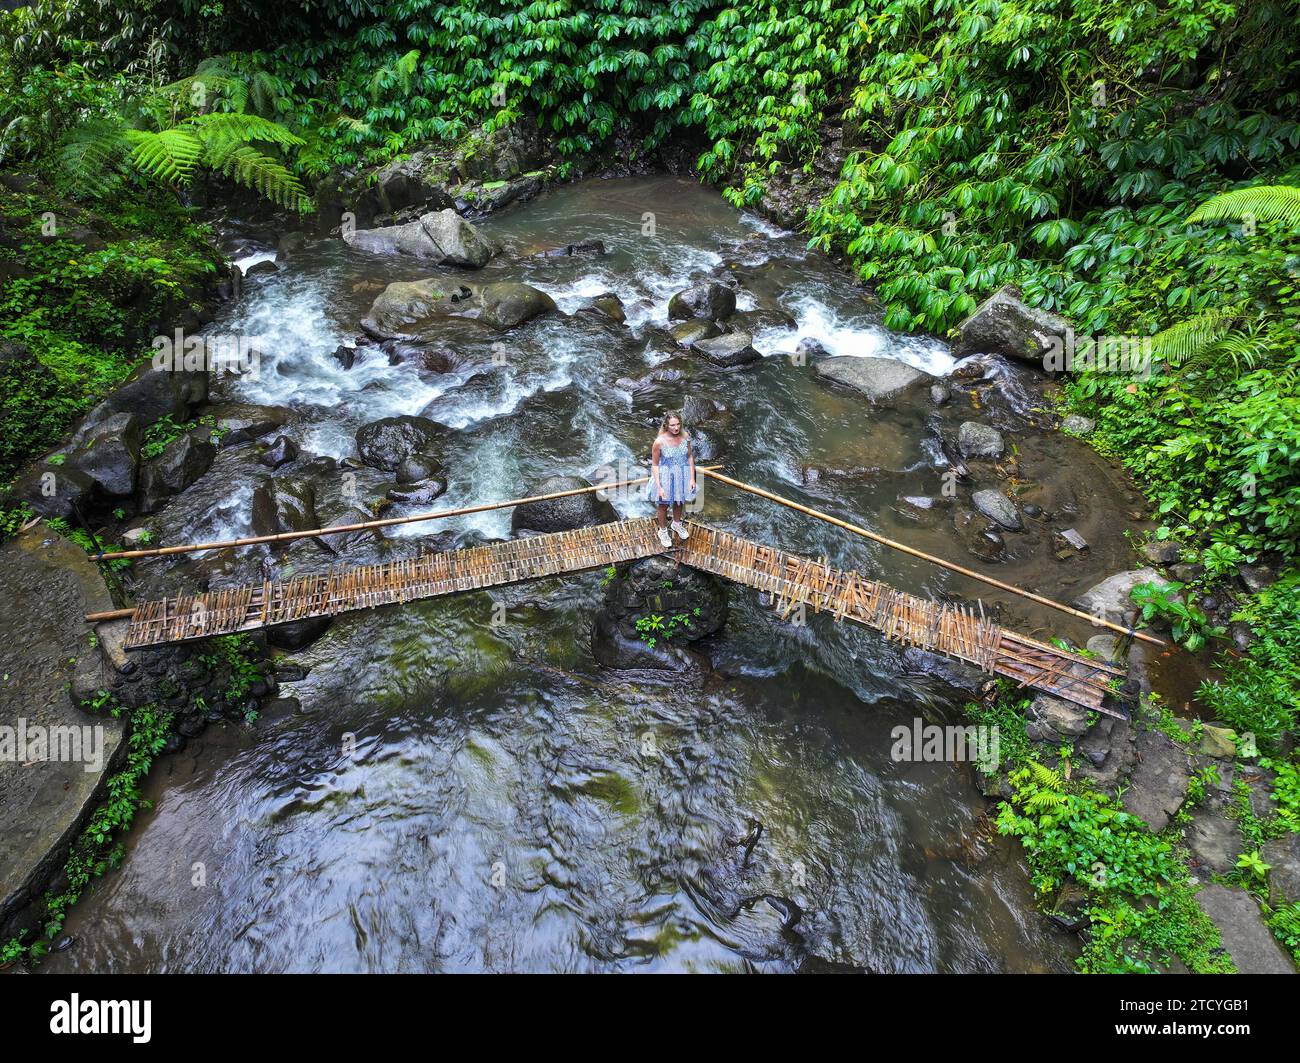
[{"x": 670, "y": 415}]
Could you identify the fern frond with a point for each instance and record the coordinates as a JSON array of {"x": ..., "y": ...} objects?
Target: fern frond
[
  {"x": 1045, "y": 801},
  {"x": 224, "y": 127},
  {"x": 1046, "y": 777},
  {"x": 170, "y": 155},
  {"x": 1262, "y": 202},
  {"x": 1190, "y": 337},
  {"x": 247, "y": 166},
  {"x": 92, "y": 157}
]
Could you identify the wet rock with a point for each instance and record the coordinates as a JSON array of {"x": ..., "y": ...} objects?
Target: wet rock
[
  {"x": 1107, "y": 752},
  {"x": 442, "y": 237},
  {"x": 180, "y": 464},
  {"x": 509, "y": 304},
  {"x": 940, "y": 395},
  {"x": 1218, "y": 742},
  {"x": 685, "y": 333},
  {"x": 385, "y": 444},
  {"x": 298, "y": 633},
  {"x": 1245, "y": 935},
  {"x": 997, "y": 507},
  {"x": 1159, "y": 783},
  {"x": 809, "y": 349},
  {"x": 697, "y": 408},
  {"x": 346, "y": 356},
  {"x": 1002, "y": 324},
  {"x": 657, "y": 586},
  {"x": 281, "y": 452},
  {"x": 1161, "y": 553},
  {"x": 976, "y": 440},
  {"x": 759, "y": 320},
  {"x": 1109, "y": 599},
  {"x": 712, "y": 301},
  {"x": 561, "y": 514},
  {"x": 959, "y": 675},
  {"x": 1078, "y": 425},
  {"x": 611, "y": 306},
  {"x": 57, "y": 490},
  {"x": 405, "y": 309},
  {"x": 733, "y": 349},
  {"x": 284, "y": 505},
  {"x": 584, "y": 248},
  {"x": 1106, "y": 647},
  {"x": 917, "y": 507},
  {"x": 1050, "y": 719},
  {"x": 978, "y": 535},
  {"x": 151, "y": 393},
  {"x": 110, "y": 455},
  {"x": 878, "y": 379},
  {"x": 241, "y": 422},
  {"x": 417, "y": 493},
  {"x": 418, "y": 468},
  {"x": 265, "y": 266}
]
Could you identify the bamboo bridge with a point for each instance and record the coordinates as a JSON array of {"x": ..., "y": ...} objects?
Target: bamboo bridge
[{"x": 959, "y": 631}]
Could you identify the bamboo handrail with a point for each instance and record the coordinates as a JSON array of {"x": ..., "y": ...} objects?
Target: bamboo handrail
[
  {"x": 951, "y": 566},
  {"x": 386, "y": 522}
]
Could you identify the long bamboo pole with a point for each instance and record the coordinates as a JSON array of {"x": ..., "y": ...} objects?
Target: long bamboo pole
[
  {"x": 960, "y": 570},
  {"x": 387, "y": 522}
]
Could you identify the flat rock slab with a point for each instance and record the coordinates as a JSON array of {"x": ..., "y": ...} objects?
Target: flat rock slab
[
  {"x": 876, "y": 378},
  {"x": 1159, "y": 782},
  {"x": 1245, "y": 935},
  {"x": 1214, "y": 840},
  {"x": 1284, "y": 879},
  {"x": 45, "y": 644}
]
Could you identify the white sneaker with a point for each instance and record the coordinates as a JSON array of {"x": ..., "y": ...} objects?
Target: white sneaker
[
  {"x": 679, "y": 529},
  {"x": 665, "y": 540}
]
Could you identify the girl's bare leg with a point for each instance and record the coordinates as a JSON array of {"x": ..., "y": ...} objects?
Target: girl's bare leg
[
  {"x": 679, "y": 511},
  {"x": 661, "y": 514}
]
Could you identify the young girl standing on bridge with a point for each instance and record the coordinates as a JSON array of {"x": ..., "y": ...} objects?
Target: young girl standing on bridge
[{"x": 672, "y": 475}]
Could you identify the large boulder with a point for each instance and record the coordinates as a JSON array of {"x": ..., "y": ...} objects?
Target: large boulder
[
  {"x": 110, "y": 455},
  {"x": 711, "y": 300},
  {"x": 242, "y": 422},
  {"x": 407, "y": 308},
  {"x": 876, "y": 378},
  {"x": 180, "y": 464},
  {"x": 442, "y": 237},
  {"x": 997, "y": 507},
  {"x": 657, "y": 587},
  {"x": 1110, "y": 599},
  {"x": 1003, "y": 324},
  {"x": 561, "y": 514},
  {"x": 389, "y": 442},
  {"x": 287, "y": 504},
  {"x": 151, "y": 393},
  {"x": 728, "y": 351}
]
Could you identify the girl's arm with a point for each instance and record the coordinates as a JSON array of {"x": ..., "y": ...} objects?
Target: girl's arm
[
  {"x": 690, "y": 458},
  {"x": 654, "y": 468}
]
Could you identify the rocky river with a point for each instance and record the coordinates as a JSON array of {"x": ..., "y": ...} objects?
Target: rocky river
[{"x": 473, "y": 783}]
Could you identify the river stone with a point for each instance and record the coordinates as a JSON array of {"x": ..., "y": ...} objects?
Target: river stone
[
  {"x": 976, "y": 440},
  {"x": 1109, "y": 599},
  {"x": 49, "y": 584},
  {"x": 417, "y": 493},
  {"x": 1214, "y": 840},
  {"x": 151, "y": 394},
  {"x": 442, "y": 237},
  {"x": 1161, "y": 553},
  {"x": 284, "y": 505},
  {"x": 733, "y": 349},
  {"x": 998, "y": 507},
  {"x": 180, "y": 464},
  {"x": 656, "y": 586},
  {"x": 808, "y": 349},
  {"x": 876, "y": 378},
  {"x": 281, "y": 452},
  {"x": 1218, "y": 742},
  {"x": 110, "y": 455},
  {"x": 1003, "y": 324},
  {"x": 1050, "y": 719},
  {"x": 685, "y": 333},
  {"x": 610, "y": 305},
  {"x": 978, "y": 535},
  {"x": 1159, "y": 783},
  {"x": 711, "y": 300},
  {"x": 298, "y": 633},
  {"x": 385, "y": 444},
  {"x": 561, "y": 514},
  {"x": 1257, "y": 578},
  {"x": 57, "y": 490},
  {"x": 1245, "y": 935},
  {"x": 242, "y": 422},
  {"x": 1077, "y": 425},
  {"x": 509, "y": 304}
]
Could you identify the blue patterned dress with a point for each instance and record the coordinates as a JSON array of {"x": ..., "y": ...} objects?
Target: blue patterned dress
[{"x": 674, "y": 475}]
